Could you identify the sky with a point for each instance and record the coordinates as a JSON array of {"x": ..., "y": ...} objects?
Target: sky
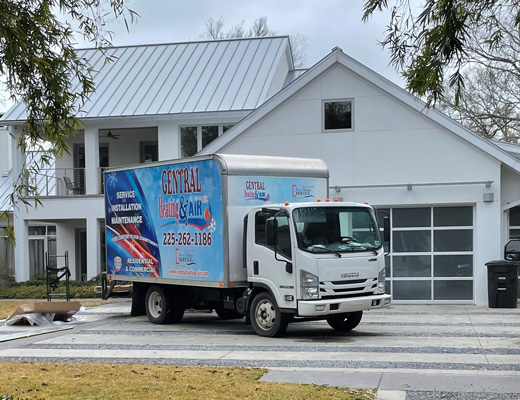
[{"x": 325, "y": 23}]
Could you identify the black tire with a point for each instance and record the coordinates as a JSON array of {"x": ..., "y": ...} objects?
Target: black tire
[
  {"x": 266, "y": 318},
  {"x": 345, "y": 322},
  {"x": 226, "y": 313},
  {"x": 161, "y": 307}
]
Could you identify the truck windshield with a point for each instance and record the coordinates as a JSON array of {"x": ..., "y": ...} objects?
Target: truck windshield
[{"x": 336, "y": 229}]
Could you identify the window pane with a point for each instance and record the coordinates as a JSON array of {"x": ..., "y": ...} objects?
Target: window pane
[
  {"x": 456, "y": 240},
  {"x": 209, "y": 133},
  {"x": 188, "y": 141},
  {"x": 448, "y": 266},
  {"x": 227, "y": 127},
  {"x": 411, "y": 217},
  {"x": 260, "y": 222},
  {"x": 514, "y": 216},
  {"x": 411, "y": 241},
  {"x": 283, "y": 237},
  {"x": 37, "y": 230},
  {"x": 453, "y": 216},
  {"x": 514, "y": 234},
  {"x": 412, "y": 290},
  {"x": 413, "y": 266},
  {"x": 453, "y": 290},
  {"x": 388, "y": 288},
  {"x": 338, "y": 115}
]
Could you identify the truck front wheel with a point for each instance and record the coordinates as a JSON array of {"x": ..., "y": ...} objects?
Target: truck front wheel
[
  {"x": 266, "y": 318},
  {"x": 161, "y": 307},
  {"x": 345, "y": 322}
]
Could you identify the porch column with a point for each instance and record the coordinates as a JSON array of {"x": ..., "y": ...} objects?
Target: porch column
[
  {"x": 168, "y": 140},
  {"x": 93, "y": 247},
  {"x": 91, "y": 160},
  {"x": 20, "y": 224},
  {"x": 66, "y": 241},
  {"x": 21, "y": 250}
]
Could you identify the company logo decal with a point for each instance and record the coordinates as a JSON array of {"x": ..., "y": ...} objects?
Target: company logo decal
[
  {"x": 118, "y": 263},
  {"x": 302, "y": 191},
  {"x": 350, "y": 275},
  {"x": 255, "y": 190},
  {"x": 184, "y": 257}
]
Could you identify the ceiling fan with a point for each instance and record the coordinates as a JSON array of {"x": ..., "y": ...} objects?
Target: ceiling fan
[{"x": 111, "y": 135}]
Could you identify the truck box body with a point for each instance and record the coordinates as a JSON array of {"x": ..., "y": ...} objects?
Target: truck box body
[{"x": 181, "y": 222}]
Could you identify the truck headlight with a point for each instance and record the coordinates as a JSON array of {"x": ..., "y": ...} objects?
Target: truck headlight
[
  {"x": 381, "y": 281},
  {"x": 309, "y": 285}
]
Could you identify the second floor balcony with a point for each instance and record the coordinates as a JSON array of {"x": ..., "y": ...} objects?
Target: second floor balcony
[
  {"x": 80, "y": 171},
  {"x": 62, "y": 182}
]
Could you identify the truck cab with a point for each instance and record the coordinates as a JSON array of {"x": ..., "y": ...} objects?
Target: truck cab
[{"x": 316, "y": 260}]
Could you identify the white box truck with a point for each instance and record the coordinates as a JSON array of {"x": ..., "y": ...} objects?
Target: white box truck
[{"x": 246, "y": 236}]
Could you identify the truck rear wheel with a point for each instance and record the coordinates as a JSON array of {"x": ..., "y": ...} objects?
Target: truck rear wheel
[
  {"x": 266, "y": 318},
  {"x": 161, "y": 307},
  {"x": 345, "y": 322}
]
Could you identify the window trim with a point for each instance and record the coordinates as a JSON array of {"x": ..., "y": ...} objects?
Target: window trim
[{"x": 352, "y": 126}]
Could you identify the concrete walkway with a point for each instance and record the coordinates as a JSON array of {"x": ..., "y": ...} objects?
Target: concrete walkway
[{"x": 406, "y": 352}]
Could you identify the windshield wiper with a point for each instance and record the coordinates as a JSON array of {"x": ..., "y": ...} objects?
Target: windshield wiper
[{"x": 324, "y": 249}]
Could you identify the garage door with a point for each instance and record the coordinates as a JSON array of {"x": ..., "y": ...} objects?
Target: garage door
[{"x": 431, "y": 258}]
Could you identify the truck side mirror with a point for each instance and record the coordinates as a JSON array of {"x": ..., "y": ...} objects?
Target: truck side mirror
[
  {"x": 512, "y": 250},
  {"x": 270, "y": 232},
  {"x": 386, "y": 229},
  {"x": 278, "y": 237},
  {"x": 387, "y": 234}
]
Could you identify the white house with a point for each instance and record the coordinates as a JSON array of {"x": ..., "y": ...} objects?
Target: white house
[{"x": 453, "y": 197}]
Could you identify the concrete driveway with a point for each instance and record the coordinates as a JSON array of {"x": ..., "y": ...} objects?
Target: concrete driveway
[{"x": 412, "y": 352}]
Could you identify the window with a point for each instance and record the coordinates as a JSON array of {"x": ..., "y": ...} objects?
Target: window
[
  {"x": 209, "y": 134},
  {"x": 336, "y": 229},
  {"x": 514, "y": 228},
  {"x": 337, "y": 115},
  {"x": 195, "y": 138},
  {"x": 514, "y": 223},
  {"x": 149, "y": 152},
  {"x": 283, "y": 236},
  {"x": 188, "y": 141}
]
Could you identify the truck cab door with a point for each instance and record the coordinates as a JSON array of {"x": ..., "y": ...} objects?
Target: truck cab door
[{"x": 270, "y": 255}]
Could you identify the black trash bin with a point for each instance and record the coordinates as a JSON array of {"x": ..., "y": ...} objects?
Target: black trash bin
[{"x": 502, "y": 283}]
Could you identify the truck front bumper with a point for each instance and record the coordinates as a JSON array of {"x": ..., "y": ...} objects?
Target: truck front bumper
[{"x": 316, "y": 308}]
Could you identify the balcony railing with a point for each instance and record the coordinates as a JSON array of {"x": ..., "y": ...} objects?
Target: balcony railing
[
  {"x": 101, "y": 185},
  {"x": 58, "y": 181}
]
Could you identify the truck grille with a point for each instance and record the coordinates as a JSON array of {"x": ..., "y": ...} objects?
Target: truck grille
[{"x": 348, "y": 288}]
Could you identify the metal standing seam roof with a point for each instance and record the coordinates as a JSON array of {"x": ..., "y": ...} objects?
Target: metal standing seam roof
[{"x": 162, "y": 79}]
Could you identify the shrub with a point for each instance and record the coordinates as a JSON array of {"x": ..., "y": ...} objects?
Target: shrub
[
  {"x": 37, "y": 289},
  {"x": 6, "y": 276}
]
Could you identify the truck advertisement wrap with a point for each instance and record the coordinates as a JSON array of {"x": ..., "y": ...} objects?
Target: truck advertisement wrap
[
  {"x": 253, "y": 191},
  {"x": 165, "y": 221}
]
